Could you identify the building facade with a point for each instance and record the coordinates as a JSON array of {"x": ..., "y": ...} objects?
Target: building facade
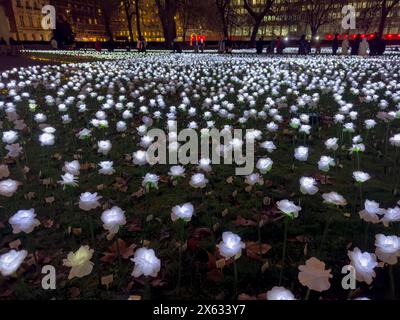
[
  {"x": 289, "y": 18},
  {"x": 23, "y": 19}
]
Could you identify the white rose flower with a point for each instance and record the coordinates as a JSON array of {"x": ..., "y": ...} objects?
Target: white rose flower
[
  {"x": 308, "y": 186},
  {"x": 264, "y": 165},
  {"x": 68, "y": 180},
  {"x": 387, "y": 248},
  {"x": 288, "y": 208},
  {"x": 79, "y": 262},
  {"x": 8, "y": 187},
  {"x": 332, "y": 144},
  {"x": 104, "y": 146},
  {"x": 361, "y": 177},
  {"x": 24, "y": 221},
  {"x": 121, "y": 126},
  {"x": 89, "y": 201},
  {"x": 184, "y": 212},
  {"x": 150, "y": 180},
  {"x": 395, "y": 140},
  {"x": 254, "y": 178},
  {"x": 140, "y": 158},
  {"x": 391, "y": 215},
  {"x": 364, "y": 264},
  {"x": 106, "y": 168},
  {"x": 198, "y": 180},
  {"x": 46, "y": 139},
  {"x": 146, "y": 263},
  {"x": 269, "y": 146},
  {"x": 334, "y": 198},
  {"x": 177, "y": 171},
  {"x": 371, "y": 212},
  {"x": 205, "y": 165},
  {"x": 72, "y": 167},
  {"x": 11, "y": 261},
  {"x": 369, "y": 124},
  {"x": 301, "y": 153},
  {"x": 325, "y": 163},
  {"x": 280, "y": 293},
  {"x": 10, "y": 137},
  {"x": 112, "y": 219},
  {"x": 231, "y": 245}
]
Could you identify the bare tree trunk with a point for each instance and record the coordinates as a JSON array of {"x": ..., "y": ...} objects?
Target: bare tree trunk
[
  {"x": 385, "y": 10},
  {"x": 254, "y": 32},
  {"x": 167, "y": 10},
  {"x": 382, "y": 23},
  {"x": 137, "y": 13},
  {"x": 128, "y": 13},
  {"x": 222, "y": 6},
  {"x": 107, "y": 26}
]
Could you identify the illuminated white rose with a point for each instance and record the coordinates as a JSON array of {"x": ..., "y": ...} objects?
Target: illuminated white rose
[
  {"x": 146, "y": 263},
  {"x": 361, "y": 177},
  {"x": 280, "y": 293},
  {"x": 332, "y": 144},
  {"x": 121, "y": 126},
  {"x": 11, "y": 261},
  {"x": 150, "y": 181},
  {"x": 79, "y": 262},
  {"x": 364, "y": 264},
  {"x": 254, "y": 178},
  {"x": 140, "y": 158},
  {"x": 301, "y": 153},
  {"x": 387, "y": 248},
  {"x": 84, "y": 134},
  {"x": 391, "y": 215},
  {"x": 359, "y": 147},
  {"x": 371, "y": 212},
  {"x": 198, "y": 180},
  {"x": 8, "y": 187},
  {"x": 68, "y": 180},
  {"x": 288, "y": 208},
  {"x": 40, "y": 118},
  {"x": 264, "y": 165},
  {"x": 146, "y": 141},
  {"x": 369, "y": 124},
  {"x": 104, "y": 146},
  {"x": 308, "y": 186},
  {"x": 14, "y": 150},
  {"x": 89, "y": 201},
  {"x": 72, "y": 167},
  {"x": 205, "y": 165},
  {"x": 325, "y": 163},
  {"x": 106, "y": 168},
  {"x": 268, "y": 145},
  {"x": 231, "y": 245},
  {"x": 24, "y": 221},
  {"x": 395, "y": 140},
  {"x": 46, "y": 139},
  {"x": 10, "y": 137},
  {"x": 334, "y": 198},
  {"x": 112, "y": 219},
  {"x": 295, "y": 123},
  {"x": 177, "y": 171},
  {"x": 184, "y": 212}
]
